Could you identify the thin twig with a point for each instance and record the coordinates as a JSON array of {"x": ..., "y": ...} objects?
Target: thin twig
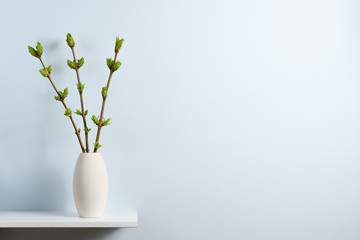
[
  {"x": 64, "y": 104},
  {"x": 81, "y": 101},
  {"x": 103, "y": 104}
]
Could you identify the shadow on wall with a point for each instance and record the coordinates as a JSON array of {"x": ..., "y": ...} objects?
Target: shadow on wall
[
  {"x": 29, "y": 180},
  {"x": 58, "y": 233},
  {"x": 47, "y": 193}
]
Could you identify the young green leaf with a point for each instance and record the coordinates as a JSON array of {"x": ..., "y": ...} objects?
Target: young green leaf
[
  {"x": 95, "y": 119},
  {"x": 49, "y": 69},
  {"x": 57, "y": 98},
  {"x": 104, "y": 92},
  {"x": 78, "y": 112},
  {"x": 118, "y": 44},
  {"x": 44, "y": 72},
  {"x": 80, "y": 62},
  {"x": 64, "y": 93},
  {"x": 32, "y": 51},
  {"x": 67, "y": 112},
  {"x": 109, "y": 63},
  {"x": 116, "y": 66},
  {"x": 80, "y": 87},
  {"x": 79, "y": 130},
  {"x": 70, "y": 40},
  {"x": 106, "y": 122},
  {"x": 71, "y": 64},
  {"x": 39, "y": 49},
  {"x": 87, "y": 130},
  {"x": 97, "y": 145},
  {"x": 86, "y": 112}
]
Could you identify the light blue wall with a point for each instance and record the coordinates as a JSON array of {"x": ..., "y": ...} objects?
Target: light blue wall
[{"x": 231, "y": 119}]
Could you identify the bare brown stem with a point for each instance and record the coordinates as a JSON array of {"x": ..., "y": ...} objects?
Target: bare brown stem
[
  {"x": 81, "y": 101},
  {"x": 64, "y": 104},
  {"x": 103, "y": 104}
]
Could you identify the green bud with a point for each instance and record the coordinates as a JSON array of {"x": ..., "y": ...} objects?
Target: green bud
[
  {"x": 32, "y": 51},
  {"x": 49, "y": 69},
  {"x": 97, "y": 145},
  {"x": 109, "y": 63},
  {"x": 87, "y": 130},
  {"x": 86, "y": 112},
  {"x": 57, "y": 98},
  {"x": 44, "y": 72},
  {"x": 106, "y": 122},
  {"x": 39, "y": 49},
  {"x": 80, "y": 87},
  {"x": 116, "y": 65},
  {"x": 118, "y": 44},
  {"x": 64, "y": 93},
  {"x": 78, "y": 112},
  {"x": 79, "y": 130},
  {"x": 67, "y": 112},
  {"x": 104, "y": 92},
  {"x": 95, "y": 119},
  {"x": 71, "y": 64},
  {"x": 80, "y": 62},
  {"x": 70, "y": 40}
]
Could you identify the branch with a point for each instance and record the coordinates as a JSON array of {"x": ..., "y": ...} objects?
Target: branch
[
  {"x": 103, "y": 106},
  {"x": 113, "y": 66},
  {"x": 80, "y": 89},
  {"x": 64, "y": 104}
]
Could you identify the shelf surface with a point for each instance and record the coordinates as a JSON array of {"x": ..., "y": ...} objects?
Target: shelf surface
[{"x": 60, "y": 219}]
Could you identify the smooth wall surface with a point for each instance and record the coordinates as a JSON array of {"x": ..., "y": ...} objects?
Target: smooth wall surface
[{"x": 230, "y": 119}]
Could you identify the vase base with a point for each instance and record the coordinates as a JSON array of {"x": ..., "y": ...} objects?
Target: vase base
[{"x": 90, "y": 217}]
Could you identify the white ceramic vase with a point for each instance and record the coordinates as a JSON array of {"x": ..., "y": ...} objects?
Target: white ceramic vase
[{"x": 90, "y": 185}]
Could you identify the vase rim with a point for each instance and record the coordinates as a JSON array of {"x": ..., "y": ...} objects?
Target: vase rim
[{"x": 89, "y": 153}]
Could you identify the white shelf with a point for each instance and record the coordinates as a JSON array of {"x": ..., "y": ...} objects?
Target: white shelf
[{"x": 59, "y": 219}]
